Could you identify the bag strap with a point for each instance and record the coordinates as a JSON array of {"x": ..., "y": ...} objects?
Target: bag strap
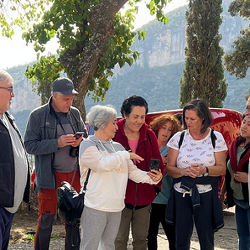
[
  {"x": 213, "y": 138},
  {"x": 74, "y": 173},
  {"x": 181, "y": 138},
  {"x": 86, "y": 181}
]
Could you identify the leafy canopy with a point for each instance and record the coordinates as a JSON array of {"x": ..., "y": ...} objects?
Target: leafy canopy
[
  {"x": 238, "y": 59},
  {"x": 93, "y": 36},
  {"x": 18, "y": 13}
]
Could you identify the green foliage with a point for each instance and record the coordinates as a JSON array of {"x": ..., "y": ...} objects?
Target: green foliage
[
  {"x": 240, "y": 7},
  {"x": 78, "y": 33},
  {"x": 203, "y": 76},
  {"x": 46, "y": 71},
  {"x": 31, "y": 237},
  {"x": 238, "y": 60},
  {"x": 18, "y": 13},
  {"x": 158, "y": 85}
]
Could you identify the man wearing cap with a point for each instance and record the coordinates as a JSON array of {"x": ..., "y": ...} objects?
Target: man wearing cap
[{"x": 50, "y": 137}]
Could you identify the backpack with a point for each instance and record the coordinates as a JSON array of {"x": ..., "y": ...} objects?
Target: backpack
[{"x": 213, "y": 138}]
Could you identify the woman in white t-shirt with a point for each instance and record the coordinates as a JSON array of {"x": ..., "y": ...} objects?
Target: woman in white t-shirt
[{"x": 196, "y": 164}]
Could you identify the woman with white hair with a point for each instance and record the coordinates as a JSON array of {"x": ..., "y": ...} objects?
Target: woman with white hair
[{"x": 111, "y": 166}]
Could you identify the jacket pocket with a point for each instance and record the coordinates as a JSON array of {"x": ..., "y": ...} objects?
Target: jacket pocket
[{"x": 6, "y": 185}]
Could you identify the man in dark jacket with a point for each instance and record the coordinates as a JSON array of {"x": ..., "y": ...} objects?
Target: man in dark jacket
[
  {"x": 50, "y": 137},
  {"x": 14, "y": 174}
]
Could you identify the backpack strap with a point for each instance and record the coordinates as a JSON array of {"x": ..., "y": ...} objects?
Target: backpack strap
[
  {"x": 213, "y": 138},
  {"x": 181, "y": 138}
]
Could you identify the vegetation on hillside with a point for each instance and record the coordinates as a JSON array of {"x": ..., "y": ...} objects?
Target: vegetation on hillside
[
  {"x": 93, "y": 36},
  {"x": 238, "y": 59}
]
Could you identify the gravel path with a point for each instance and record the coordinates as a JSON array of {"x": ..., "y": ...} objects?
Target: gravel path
[{"x": 225, "y": 239}]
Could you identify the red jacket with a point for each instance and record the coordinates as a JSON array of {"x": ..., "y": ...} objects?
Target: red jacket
[{"x": 139, "y": 194}]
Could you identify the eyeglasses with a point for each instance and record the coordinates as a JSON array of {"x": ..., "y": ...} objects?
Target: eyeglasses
[{"x": 9, "y": 89}]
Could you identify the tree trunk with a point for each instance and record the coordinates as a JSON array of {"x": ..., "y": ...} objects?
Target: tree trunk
[{"x": 81, "y": 71}]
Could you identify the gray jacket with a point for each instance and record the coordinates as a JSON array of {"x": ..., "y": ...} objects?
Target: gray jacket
[{"x": 41, "y": 140}]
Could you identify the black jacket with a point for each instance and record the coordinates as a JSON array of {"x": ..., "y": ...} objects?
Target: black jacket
[{"x": 7, "y": 166}]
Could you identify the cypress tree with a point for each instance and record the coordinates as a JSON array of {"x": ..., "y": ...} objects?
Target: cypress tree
[{"x": 203, "y": 75}]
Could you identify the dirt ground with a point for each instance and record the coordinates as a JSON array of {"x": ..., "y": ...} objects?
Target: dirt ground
[{"x": 24, "y": 227}]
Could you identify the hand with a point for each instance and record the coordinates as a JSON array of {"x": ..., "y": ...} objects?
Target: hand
[
  {"x": 155, "y": 175},
  {"x": 195, "y": 170},
  {"x": 241, "y": 177},
  {"x": 66, "y": 140},
  {"x": 165, "y": 159},
  {"x": 190, "y": 171},
  {"x": 77, "y": 142},
  {"x": 222, "y": 198},
  {"x": 136, "y": 157}
]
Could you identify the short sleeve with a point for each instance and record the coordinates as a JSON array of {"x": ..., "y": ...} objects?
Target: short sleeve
[
  {"x": 174, "y": 141},
  {"x": 220, "y": 144}
]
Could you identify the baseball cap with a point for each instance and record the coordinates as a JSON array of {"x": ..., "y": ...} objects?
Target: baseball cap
[{"x": 64, "y": 85}]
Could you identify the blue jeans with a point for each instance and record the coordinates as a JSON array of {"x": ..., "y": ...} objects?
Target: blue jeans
[{"x": 242, "y": 217}]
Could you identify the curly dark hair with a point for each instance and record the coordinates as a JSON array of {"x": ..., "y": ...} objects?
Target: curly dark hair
[{"x": 132, "y": 101}]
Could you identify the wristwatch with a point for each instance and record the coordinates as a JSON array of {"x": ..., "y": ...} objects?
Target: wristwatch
[{"x": 207, "y": 172}]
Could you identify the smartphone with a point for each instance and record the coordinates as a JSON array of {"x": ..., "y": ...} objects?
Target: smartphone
[
  {"x": 78, "y": 134},
  {"x": 154, "y": 164}
]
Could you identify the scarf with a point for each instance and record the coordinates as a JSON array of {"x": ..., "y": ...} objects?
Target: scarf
[{"x": 233, "y": 157}]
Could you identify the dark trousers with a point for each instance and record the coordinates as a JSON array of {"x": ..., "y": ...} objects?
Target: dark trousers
[
  {"x": 5, "y": 226},
  {"x": 157, "y": 216},
  {"x": 186, "y": 217}
]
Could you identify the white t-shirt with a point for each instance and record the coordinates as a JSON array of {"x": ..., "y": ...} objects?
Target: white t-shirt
[{"x": 196, "y": 152}]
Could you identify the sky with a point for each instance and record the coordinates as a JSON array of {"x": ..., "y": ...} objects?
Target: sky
[{"x": 15, "y": 52}]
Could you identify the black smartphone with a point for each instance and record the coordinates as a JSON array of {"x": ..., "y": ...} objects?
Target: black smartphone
[
  {"x": 154, "y": 164},
  {"x": 78, "y": 134}
]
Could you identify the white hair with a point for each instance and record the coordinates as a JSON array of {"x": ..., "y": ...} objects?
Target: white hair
[
  {"x": 57, "y": 93},
  {"x": 99, "y": 116},
  {"x": 5, "y": 77}
]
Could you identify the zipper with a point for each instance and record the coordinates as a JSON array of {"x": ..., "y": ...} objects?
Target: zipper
[{"x": 136, "y": 187}]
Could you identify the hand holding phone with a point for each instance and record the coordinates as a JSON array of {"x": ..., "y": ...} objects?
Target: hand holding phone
[
  {"x": 77, "y": 135},
  {"x": 154, "y": 164}
]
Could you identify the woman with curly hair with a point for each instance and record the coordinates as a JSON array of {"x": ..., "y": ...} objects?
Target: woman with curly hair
[{"x": 164, "y": 127}]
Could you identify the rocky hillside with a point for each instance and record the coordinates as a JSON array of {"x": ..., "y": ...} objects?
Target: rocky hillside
[{"x": 155, "y": 75}]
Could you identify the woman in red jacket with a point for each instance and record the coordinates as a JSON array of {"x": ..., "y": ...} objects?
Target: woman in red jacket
[{"x": 134, "y": 134}]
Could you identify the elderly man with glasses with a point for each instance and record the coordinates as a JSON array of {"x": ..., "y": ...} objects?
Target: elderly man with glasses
[{"x": 14, "y": 174}]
